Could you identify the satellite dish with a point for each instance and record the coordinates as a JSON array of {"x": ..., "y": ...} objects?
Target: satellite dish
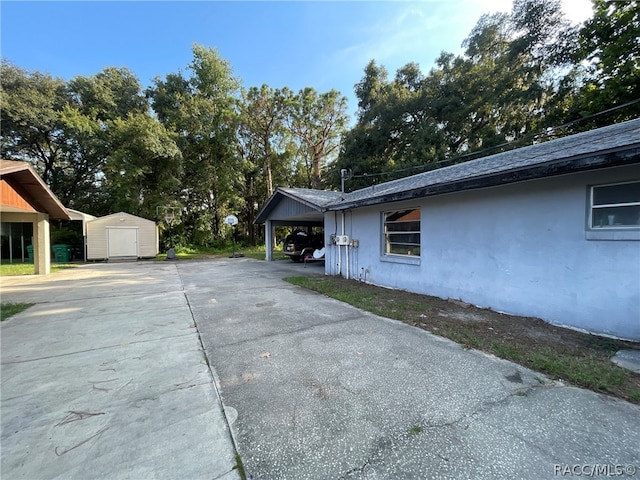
[
  {"x": 318, "y": 254},
  {"x": 231, "y": 220}
]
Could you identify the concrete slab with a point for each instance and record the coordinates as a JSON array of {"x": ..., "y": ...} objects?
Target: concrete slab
[
  {"x": 105, "y": 377},
  {"x": 629, "y": 359},
  {"x": 316, "y": 389}
]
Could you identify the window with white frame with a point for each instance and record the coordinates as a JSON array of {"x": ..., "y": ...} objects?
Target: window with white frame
[
  {"x": 402, "y": 232},
  {"x": 615, "y": 206}
]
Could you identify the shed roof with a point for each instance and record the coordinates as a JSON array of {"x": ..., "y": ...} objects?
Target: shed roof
[
  {"x": 115, "y": 218},
  {"x": 614, "y": 145},
  {"x": 24, "y": 179}
]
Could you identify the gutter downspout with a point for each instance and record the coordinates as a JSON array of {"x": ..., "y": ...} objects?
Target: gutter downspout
[
  {"x": 346, "y": 248},
  {"x": 342, "y": 229}
]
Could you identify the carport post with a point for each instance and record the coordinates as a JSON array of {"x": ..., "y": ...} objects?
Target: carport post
[
  {"x": 268, "y": 240},
  {"x": 41, "y": 245}
]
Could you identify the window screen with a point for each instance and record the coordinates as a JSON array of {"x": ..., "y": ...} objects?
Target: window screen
[{"x": 402, "y": 232}]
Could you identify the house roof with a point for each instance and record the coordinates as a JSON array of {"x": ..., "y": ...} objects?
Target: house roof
[
  {"x": 28, "y": 184},
  {"x": 314, "y": 199},
  {"x": 610, "y": 146},
  {"x": 614, "y": 145}
]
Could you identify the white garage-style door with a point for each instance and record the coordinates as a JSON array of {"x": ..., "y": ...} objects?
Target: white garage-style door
[{"x": 123, "y": 241}]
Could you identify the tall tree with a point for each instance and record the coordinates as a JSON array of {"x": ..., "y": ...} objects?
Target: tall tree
[
  {"x": 62, "y": 128},
  {"x": 262, "y": 131},
  {"x": 143, "y": 170},
  {"x": 318, "y": 122},
  {"x": 95, "y": 102},
  {"x": 32, "y": 127},
  {"x": 364, "y": 146},
  {"x": 497, "y": 91},
  {"x": 200, "y": 110},
  {"x": 265, "y": 148},
  {"x": 610, "y": 44}
]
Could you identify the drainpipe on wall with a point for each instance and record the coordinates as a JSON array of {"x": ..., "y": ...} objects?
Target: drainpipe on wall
[
  {"x": 339, "y": 259},
  {"x": 346, "y": 248}
]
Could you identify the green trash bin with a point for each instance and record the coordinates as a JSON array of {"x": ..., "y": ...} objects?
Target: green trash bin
[
  {"x": 62, "y": 253},
  {"x": 30, "y": 253}
]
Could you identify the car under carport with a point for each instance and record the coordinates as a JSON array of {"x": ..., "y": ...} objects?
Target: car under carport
[{"x": 293, "y": 207}]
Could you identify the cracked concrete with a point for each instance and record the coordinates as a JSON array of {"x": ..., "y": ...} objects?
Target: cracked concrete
[
  {"x": 346, "y": 394},
  {"x": 106, "y": 378}
]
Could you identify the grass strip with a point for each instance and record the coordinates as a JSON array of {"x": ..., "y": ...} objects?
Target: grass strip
[
  {"x": 17, "y": 269},
  {"x": 9, "y": 309}
]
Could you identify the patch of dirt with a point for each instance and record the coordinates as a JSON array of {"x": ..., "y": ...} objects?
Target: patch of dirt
[
  {"x": 462, "y": 316},
  {"x": 432, "y": 313}
]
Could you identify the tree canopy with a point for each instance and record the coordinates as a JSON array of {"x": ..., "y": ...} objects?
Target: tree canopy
[
  {"x": 520, "y": 74},
  {"x": 199, "y": 142}
]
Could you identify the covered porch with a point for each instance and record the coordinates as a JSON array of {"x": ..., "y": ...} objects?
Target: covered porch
[{"x": 26, "y": 199}]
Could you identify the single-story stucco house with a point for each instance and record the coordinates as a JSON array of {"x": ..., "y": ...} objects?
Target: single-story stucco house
[
  {"x": 550, "y": 230},
  {"x": 26, "y": 199}
]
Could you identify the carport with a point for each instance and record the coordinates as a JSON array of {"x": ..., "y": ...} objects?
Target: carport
[
  {"x": 25, "y": 198},
  {"x": 293, "y": 207}
]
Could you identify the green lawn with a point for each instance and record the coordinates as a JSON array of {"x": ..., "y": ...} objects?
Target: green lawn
[
  {"x": 13, "y": 269},
  {"x": 9, "y": 309},
  {"x": 257, "y": 252}
]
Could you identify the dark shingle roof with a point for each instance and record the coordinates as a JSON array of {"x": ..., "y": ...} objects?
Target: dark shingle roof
[
  {"x": 315, "y": 199},
  {"x": 617, "y": 144},
  {"x": 318, "y": 198},
  {"x": 614, "y": 145}
]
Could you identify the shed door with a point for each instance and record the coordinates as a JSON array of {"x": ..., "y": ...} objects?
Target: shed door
[{"x": 123, "y": 242}]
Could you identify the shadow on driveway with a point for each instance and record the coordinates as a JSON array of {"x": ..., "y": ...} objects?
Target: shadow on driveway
[
  {"x": 317, "y": 389},
  {"x": 105, "y": 377}
]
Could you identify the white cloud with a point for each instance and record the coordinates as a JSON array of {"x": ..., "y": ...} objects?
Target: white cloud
[
  {"x": 415, "y": 32},
  {"x": 418, "y": 32}
]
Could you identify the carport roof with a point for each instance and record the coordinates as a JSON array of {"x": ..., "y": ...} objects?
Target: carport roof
[
  {"x": 314, "y": 199},
  {"x": 24, "y": 179}
]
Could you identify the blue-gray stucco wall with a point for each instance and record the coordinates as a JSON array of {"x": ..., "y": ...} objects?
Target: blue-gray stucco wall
[{"x": 519, "y": 249}]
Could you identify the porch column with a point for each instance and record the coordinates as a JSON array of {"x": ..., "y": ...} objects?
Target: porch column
[
  {"x": 268, "y": 240},
  {"x": 41, "y": 245}
]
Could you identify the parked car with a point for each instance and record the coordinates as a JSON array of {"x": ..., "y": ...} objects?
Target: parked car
[{"x": 300, "y": 245}]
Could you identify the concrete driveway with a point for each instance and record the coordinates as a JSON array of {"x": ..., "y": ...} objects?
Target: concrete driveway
[
  {"x": 105, "y": 377},
  {"x": 311, "y": 388}
]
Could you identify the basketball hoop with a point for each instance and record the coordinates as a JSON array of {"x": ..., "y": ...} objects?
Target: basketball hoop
[{"x": 169, "y": 215}]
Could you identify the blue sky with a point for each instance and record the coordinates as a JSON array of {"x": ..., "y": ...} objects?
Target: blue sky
[{"x": 324, "y": 45}]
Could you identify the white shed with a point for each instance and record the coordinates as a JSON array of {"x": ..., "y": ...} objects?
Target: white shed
[{"x": 121, "y": 236}]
